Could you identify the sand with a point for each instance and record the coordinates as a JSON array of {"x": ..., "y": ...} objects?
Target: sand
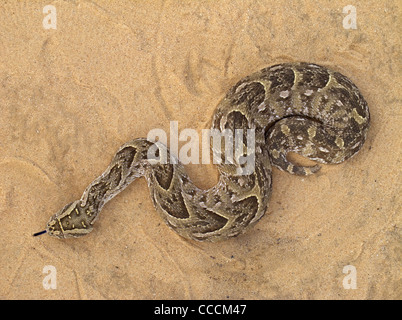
[{"x": 111, "y": 71}]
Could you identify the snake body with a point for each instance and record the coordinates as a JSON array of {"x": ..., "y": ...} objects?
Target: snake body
[{"x": 292, "y": 107}]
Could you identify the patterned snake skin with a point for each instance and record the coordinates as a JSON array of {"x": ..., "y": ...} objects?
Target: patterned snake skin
[{"x": 293, "y": 107}]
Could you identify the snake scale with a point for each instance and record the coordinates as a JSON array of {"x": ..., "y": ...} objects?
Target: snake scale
[{"x": 292, "y": 107}]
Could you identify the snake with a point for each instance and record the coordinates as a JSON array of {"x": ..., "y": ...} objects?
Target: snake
[{"x": 296, "y": 107}]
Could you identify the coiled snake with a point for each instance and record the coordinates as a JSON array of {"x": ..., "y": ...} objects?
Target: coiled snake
[{"x": 292, "y": 107}]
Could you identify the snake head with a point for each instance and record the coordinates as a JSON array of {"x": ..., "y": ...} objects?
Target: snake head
[{"x": 69, "y": 222}]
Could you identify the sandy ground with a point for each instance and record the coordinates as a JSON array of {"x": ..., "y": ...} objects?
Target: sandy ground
[{"x": 110, "y": 72}]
